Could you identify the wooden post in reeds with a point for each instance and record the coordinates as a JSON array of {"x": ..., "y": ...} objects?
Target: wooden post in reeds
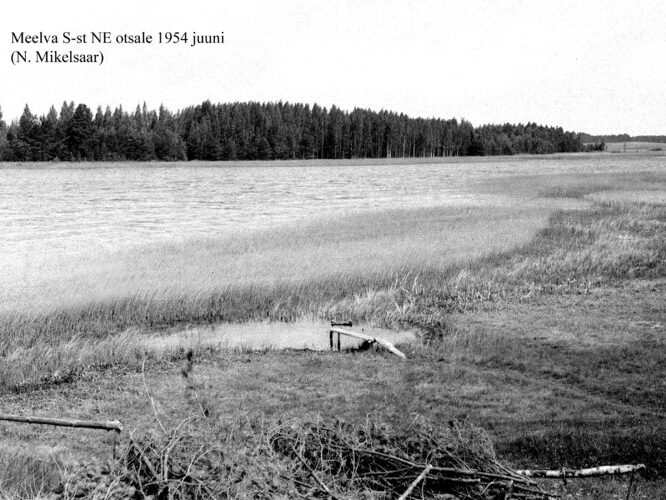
[{"x": 334, "y": 324}]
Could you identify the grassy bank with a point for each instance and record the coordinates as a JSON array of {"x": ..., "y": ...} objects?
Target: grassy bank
[
  {"x": 392, "y": 269},
  {"x": 550, "y": 338},
  {"x": 370, "y": 268}
]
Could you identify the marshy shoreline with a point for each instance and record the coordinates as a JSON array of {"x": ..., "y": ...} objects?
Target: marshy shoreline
[{"x": 540, "y": 319}]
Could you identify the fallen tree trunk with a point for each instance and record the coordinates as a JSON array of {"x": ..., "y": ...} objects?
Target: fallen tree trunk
[
  {"x": 604, "y": 470},
  {"x": 112, "y": 425}
]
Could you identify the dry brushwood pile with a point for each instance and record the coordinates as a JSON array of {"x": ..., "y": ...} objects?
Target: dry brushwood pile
[
  {"x": 178, "y": 465},
  {"x": 341, "y": 460},
  {"x": 260, "y": 459}
]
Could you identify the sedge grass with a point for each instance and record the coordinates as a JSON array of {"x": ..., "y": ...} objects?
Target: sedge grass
[
  {"x": 280, "y": 275},
  {"x": 404, "y": 267},
  {"x": 578, "y": 250},
  {"x": 29, "y": 473}
]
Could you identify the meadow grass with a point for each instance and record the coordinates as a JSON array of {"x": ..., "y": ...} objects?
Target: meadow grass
[
  {"x": 542, "y": 315},
  {"x": 29, "y": 473}
]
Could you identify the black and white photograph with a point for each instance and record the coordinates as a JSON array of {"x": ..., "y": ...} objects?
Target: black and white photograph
[{"x": 333, "y": 249}]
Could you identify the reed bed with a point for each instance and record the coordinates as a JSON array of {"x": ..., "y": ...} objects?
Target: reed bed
[{"x": 577, "y": 251}]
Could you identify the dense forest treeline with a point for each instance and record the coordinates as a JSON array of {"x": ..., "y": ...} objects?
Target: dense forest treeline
[
  {"x": 261, "y": 131},
  {"x": 587, "y": 138}
]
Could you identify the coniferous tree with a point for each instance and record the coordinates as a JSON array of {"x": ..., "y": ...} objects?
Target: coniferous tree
[
  {"x": 25, "y": 138},
  {"x": 4, "y": 143},
  {"x": 80, "y": 133},
  {"x": 50, "y": 146}
]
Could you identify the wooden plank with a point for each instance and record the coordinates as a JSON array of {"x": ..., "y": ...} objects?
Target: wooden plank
[
  {"x": 604, "y": 470},
  {"x": 112, "y": 425},
  {"x": 349, "y": 333},
  {"x": 388, "y": 345}
]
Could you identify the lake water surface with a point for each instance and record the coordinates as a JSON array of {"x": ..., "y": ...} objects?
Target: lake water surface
[{"x": 48, "y": 209}]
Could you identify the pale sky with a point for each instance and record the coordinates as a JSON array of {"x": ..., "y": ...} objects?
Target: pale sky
[{"x": 592, "y": 66}]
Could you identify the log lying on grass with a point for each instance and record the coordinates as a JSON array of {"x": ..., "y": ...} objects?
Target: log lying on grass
[
  {"x": 112, "y": 425},
  {"x": 384, "y": 343},
  {"x": 604, "y": 470}
]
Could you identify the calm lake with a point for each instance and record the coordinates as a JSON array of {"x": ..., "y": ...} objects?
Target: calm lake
[{"x": 52, "y": 208}]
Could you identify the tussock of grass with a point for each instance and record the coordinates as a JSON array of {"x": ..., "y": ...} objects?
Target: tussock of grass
[
  {"x": 42, "y": 363},
  {"x": 28, "y": 473}
]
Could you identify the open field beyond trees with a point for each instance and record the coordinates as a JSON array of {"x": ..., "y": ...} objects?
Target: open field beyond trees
[{"x": 539, "y": 312}]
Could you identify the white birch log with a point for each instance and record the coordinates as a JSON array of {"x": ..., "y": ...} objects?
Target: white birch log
[
  {"x": 603, "y": 470},
  {"x": 416, "y": 481}
]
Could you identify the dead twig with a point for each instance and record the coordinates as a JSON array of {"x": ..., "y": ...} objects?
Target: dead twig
[
  {"x": 144, "y": 459},
  {"x": 312, "y": 473},
  {"x": 150, "y": 397}
]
